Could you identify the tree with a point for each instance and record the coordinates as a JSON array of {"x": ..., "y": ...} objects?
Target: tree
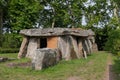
[
  {"x": 23, "y": 14},
  {"x": 61, "y": 13},
  {"x": 53, "y": 14},
  {"x": 3, "y": 5},
  {"x": 14, "y": 16},
  {"x": 113, "y": 43},
  {"x": 102, "y": 17},
  {"x": 1, "y": 25}
]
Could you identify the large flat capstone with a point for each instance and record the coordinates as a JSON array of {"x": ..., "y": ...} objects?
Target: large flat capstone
[
  {"x": 56, "y": 32},
  {"x": 44, "y": 58}
]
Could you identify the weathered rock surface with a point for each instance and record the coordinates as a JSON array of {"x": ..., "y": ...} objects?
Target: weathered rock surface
[
  {"x": 56, "y": 32},
  {"x": 3, "y": 59},
  {"x": 68, "y": 47},
  {"x": 89, "y": 46},
  {"x": 44, "y": 58},
  {"x": 85, "y": 46},
  {"x": 75, "y": 46},
  {"x": 70, "y": 43},
  {"x": 80, "y": 47},
  {"x": 23, "y": 48},
  {"x": 32, "y": 46}
]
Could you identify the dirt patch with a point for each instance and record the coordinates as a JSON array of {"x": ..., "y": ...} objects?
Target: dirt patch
[
  {"x": 110, "y": 75},
  {"x": 74, "y": 78},
  {"x": 25, "y": 65}
]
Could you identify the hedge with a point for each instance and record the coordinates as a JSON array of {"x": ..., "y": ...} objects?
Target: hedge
[{"x": 9, "y": 50}]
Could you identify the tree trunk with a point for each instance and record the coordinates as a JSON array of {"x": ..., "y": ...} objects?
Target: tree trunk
[
  {"x": 53, "y": 23},
  {"x": 1, "y": 25},
  {"x": 115, "y": 10},
  {"x": 71, "y": 16}
]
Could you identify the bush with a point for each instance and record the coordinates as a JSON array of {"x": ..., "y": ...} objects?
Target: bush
[
  {"x": 11, "y": 40},
  {"x": 9, "y": 50},
  {"x": 113, "y": 42}
]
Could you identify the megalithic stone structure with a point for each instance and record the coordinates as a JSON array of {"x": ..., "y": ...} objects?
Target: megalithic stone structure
[{"x": 69, "y": 43}]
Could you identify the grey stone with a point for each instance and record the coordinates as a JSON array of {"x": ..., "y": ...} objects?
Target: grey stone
[
  {"x": 67, "y": 45},
  {"x": 3, "y": 59},
  {"x": 32, "y": 46},
  {"x": 89, "y": 46},
  {"x": 80, "y": 48},
  {"x": 75, "y": 47},
  {"x": 85, "y": 46},
  {"x": 23, "y": 48},
  {"x": 64, "y": 47},
  {"x": 56, "y": 32},
  {"x": 71, "y": 43},
  {"x": 44, "y": 58}
]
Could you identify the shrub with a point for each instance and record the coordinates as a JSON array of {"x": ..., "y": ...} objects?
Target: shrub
[
  {"x": 11, "y": 40},
  {"x": 9, "y": 50},
  {"x": 113, "y": 42}
]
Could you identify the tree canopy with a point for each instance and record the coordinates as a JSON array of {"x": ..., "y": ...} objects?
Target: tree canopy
[
  {"x": 102, "y": 16},
  {"x": 23, "y": 14}
]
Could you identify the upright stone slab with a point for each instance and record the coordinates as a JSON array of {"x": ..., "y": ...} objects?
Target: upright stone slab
[
  {"x": 89, "y": 46},
  {"x": 75, "y": 47},
  {"x": 94, "y": 47},
  {"x": 86, "y": 46},
  {"x": 80, "y": 48},
  {"x": 67, "y": 45},
  {"x": 69, "y": 49},
  {"x": 64, "y": 47},
  {"x": 44, "y": 58},
  {"x": 32, "y": 46},
  {"x": 23, "y": 48},
  {"x": 92, "y": 39}
]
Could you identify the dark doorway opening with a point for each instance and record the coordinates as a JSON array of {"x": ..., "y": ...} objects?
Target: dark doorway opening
[
  {"x": 77, "y": 40},
  {"x": 43, "y": 42}
]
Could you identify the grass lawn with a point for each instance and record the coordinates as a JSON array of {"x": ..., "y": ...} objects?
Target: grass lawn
[{"x": 92, "y": 68}]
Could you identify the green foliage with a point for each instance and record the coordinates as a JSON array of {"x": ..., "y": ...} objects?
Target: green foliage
[
  {"x": 17, "y": 15},
  {"x": 63, "y": 13},
  {"x": 101, "y": 37},
  {"x": 9, "y": 50},
  {"x": 23, "y": 13},
  {"x": 2, "y": 3},
  {"x": 113, "y": 43},
  {"x": 117, "y": 2},
  {"x": 114, "y": 23},
  {"x": 116, "y": 66},
  {"x": 11, "y": 40}
]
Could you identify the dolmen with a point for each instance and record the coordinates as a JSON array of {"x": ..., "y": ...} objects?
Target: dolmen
[{"x": 47, "y": 46}]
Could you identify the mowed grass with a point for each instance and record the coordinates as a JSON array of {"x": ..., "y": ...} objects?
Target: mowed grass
[{"x": 92, "y": 68}]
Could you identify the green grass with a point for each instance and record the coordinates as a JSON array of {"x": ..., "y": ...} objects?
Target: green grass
[
  {"x": 116, "y": 66},
  {"x": 92, "y": 68}
]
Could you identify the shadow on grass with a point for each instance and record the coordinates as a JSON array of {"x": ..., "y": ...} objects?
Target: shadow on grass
[{"x": 114, "y": 70}]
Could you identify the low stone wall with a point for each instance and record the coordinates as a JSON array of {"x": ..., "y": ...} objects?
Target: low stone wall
[{"x": 44, "y": 58}]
